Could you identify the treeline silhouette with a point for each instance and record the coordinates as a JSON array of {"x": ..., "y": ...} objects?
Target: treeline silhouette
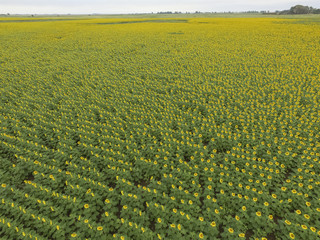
[
  {"x": 297, "y": 9},
  {"x": 300, "y": 9}
]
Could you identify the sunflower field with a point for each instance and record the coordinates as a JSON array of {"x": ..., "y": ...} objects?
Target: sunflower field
[{"x": 151, "y": 128}]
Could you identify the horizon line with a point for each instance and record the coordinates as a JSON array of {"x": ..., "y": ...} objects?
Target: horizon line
[{"x": 160, "y": 12}]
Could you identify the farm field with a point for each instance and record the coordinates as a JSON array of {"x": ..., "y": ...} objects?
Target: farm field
[{"x": 159, "y": 128}]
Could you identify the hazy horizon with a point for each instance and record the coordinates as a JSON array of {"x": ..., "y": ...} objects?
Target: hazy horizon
[{"x": 144, "y": 6}]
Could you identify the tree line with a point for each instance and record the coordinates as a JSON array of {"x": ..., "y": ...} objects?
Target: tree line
[
  {"x": 297, "y": 9},
  {"x": 300, "y": 9}
]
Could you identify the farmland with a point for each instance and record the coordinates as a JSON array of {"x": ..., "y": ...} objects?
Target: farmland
[{"x": 159, "y": 128}]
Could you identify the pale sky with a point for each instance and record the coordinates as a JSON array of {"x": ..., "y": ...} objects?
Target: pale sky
[{"x": 143, "y": 6}]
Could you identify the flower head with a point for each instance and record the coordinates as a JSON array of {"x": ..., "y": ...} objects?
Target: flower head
[
  {"x": 288, "y": 222},
  {"x": 179, "y": 227}
]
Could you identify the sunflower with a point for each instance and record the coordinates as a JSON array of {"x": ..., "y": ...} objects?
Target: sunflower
[{"x": 179, "y": 226}]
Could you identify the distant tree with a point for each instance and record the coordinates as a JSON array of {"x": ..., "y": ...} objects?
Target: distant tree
[
  {"x": 164, "y": 12},
  {"x": 300, "y": 9},
  {"x": 315, "y": 11},
  {"x": 284, "y": 12}
]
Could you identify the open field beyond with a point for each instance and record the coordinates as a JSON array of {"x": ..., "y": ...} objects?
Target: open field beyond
[{"x": 159, "y": 128}]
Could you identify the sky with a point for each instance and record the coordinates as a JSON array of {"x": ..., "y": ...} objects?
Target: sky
[{"x": 144, "y": 6}]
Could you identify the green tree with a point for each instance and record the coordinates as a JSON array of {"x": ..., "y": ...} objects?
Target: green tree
[{"x": 300, "y": 9}]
